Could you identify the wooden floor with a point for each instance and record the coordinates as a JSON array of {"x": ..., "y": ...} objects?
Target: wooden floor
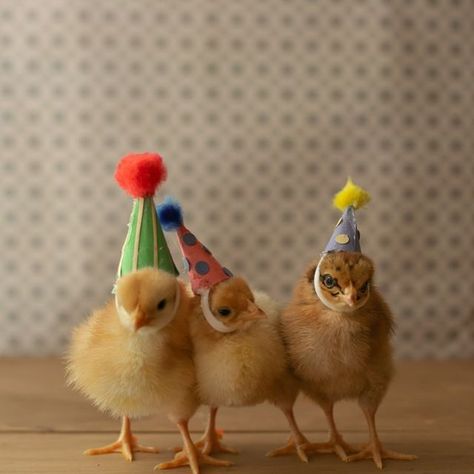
[{"x": 44, "y": 426}]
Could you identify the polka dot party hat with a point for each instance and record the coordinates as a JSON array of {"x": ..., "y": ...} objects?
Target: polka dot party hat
[
  {"x": 145, "y": 245},
  {"x": 346, "y": 236},
  {"x": 203, "y": 269}
]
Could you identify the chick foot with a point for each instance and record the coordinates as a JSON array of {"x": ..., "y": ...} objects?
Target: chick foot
[
  {"x": 377, "y": 452},
  {"x": 194, "y": 461},
  {"x": 374, "y": 449},
  {"x": 336, "y": 445},
  {"x": 190, "y": 455},
  {"x": 210, "y": 443},
  {"x": 126, "y": 444},
  {"x": 304, "y": 447},
  {"x": 301, "y": 448},
  {"x": 126, "y": 447},
  {"x": 297, "y": 442},
  {"x": 200, "y": 444}
]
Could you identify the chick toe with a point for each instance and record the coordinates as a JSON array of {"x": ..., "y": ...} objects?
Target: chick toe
[
  {"x": 183, "y": 459},
  {"x": 126, "y": 446},
  {"x": 210, "y": 444},
  {"x": 290, "y": 448},
  {"x": 377, "y": 453},
  {"x": 335, "y": 445},
  {"x": 219, "y": 433}
]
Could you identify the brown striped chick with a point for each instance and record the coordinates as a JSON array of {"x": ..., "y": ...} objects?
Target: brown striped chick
[
  {"x": 243, "y": 367},
  {"x": 341, "y": 349},
  {"x": 132, "y": 358}
]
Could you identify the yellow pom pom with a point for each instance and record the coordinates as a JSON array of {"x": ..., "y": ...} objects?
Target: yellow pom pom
[{"x": 351, "y": 195}]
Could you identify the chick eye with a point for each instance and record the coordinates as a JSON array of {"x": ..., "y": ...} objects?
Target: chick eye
[
  {"x": 329, "y": 281},
  {"x": 161, "y": 304},
  {"x": 224, "y": 311},
  {"x": 364, "y": 287}
]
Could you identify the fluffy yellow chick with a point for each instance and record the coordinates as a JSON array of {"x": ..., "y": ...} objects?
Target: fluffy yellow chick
[
  {"x": 340, "y": 349},
  {"x": 132, "y": 358},
  {"x": 238, "y": 352},
  {"x": 245, "y": 366}
]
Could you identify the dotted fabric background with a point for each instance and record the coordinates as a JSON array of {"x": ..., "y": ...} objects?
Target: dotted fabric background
[{"x": 261, "y": 109}]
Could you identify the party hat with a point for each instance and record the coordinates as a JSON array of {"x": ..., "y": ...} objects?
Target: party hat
[
  {"x": 145, "y": 245},
  {"x": 203, "y": 268},
  {"x": 346, "y": 236}
]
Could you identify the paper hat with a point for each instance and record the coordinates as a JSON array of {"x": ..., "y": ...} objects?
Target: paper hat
[
  {"x": 145, "y": 245},
  {"x": 346, "y": 236},
  {"x": 203, "y": 269}
]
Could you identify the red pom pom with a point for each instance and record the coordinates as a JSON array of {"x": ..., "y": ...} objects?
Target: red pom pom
[{"x": 140, "y": 174}]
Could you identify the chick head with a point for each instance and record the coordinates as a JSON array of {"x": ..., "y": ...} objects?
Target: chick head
[
  {"x": 233, "y": 303},
  {"x": 345, "y": 279},
  {"x": 146, "y": 299}
]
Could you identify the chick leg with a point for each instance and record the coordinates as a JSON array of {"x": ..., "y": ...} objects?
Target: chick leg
[
  {"x": 210, "y": 442},
  {"x": 336, "y": 443},
  {"x": 190, "y": 455},
  {"x": 374, "y": 449},
  {"x": 297, "y": 442},
  {"x": 126, "y": 444}
]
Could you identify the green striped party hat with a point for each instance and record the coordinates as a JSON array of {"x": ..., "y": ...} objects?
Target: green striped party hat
[{"x": 145, "y": 245}]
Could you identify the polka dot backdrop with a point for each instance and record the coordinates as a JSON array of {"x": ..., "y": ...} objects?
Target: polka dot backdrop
[{"x": 261, "y": 110}]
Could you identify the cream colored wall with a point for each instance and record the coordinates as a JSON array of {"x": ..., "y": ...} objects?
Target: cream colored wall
[{"x": 261, "y": 110}]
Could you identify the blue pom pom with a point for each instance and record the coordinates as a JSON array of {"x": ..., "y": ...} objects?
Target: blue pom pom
[{"x": 170, "y": 214}]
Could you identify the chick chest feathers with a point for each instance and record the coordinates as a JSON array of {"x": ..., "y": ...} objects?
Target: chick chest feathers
[
  {"x": 127, "y": 373},
  {"x": 240, "y": 368},
  {"x": 337, "y": 356}
]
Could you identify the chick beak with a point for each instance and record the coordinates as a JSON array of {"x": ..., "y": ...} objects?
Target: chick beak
[
  {"x": 350, "y": 295},
  {"x": 140, "y": 320},
  {"x": 253, "y": 313}
]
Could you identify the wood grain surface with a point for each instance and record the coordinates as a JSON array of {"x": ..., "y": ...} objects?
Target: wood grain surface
[{"x": 45, "y": 426}]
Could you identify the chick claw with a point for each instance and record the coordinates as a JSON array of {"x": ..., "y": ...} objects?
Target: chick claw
[
  {"x": 126, "y": 445},
  {"x": 182, "y": 459},
  {"x": 377, "y": 452}
]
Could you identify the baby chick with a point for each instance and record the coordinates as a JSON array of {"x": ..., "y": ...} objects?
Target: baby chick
[
  {"x": 239, "y": 356},
  {"x": 120, "y": 356},
  {"x": 245, "y": 366},
  {"x": 132, "y": 358},
  {"x": 337, "y": 329}
]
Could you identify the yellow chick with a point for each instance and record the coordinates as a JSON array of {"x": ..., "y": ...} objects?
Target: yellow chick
[
  {"x": 121, "y": 355},
  {"x": 132, "y": 358},
  {"x": 238, "y": 353},
  {"x": 245, "y": 366}
]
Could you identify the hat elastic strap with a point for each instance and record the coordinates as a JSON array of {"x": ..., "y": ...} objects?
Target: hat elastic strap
[
  {"x": 209, "y": 315},
  {"x": 320, "y": 293}
]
